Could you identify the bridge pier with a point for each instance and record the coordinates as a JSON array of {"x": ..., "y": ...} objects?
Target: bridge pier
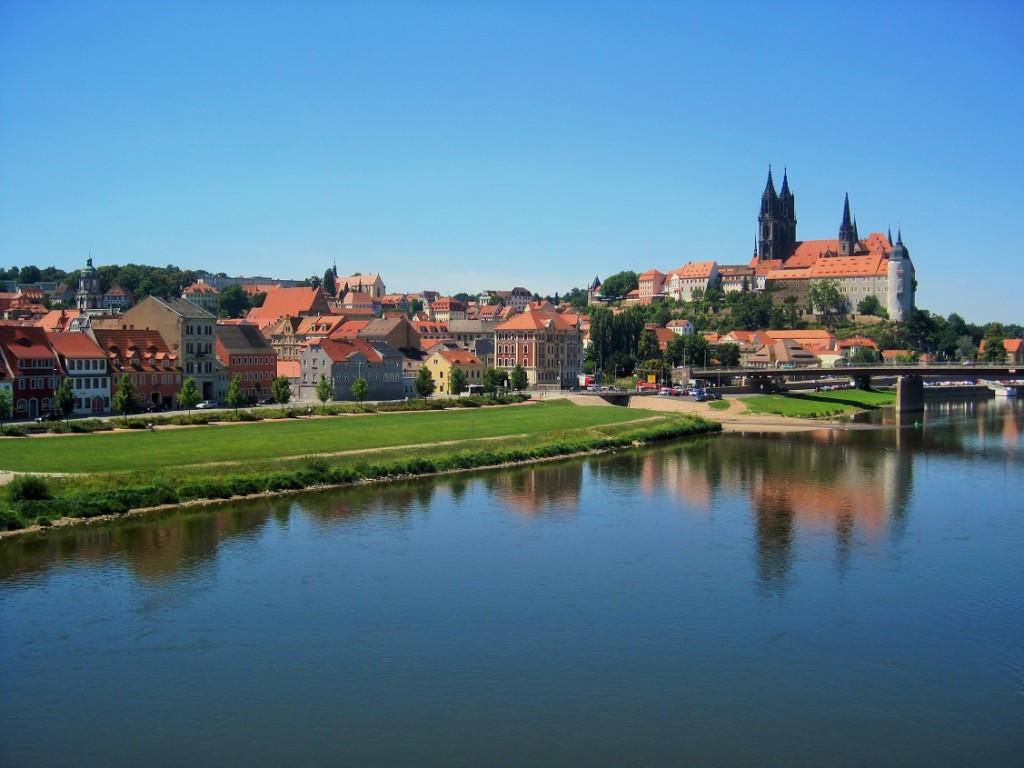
[{"x": 909, "y": 394}]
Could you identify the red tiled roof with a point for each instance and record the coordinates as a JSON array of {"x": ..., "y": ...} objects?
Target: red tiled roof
[
  {"x": 75, "y": 345},
  {"x": 534, "y": 321}
]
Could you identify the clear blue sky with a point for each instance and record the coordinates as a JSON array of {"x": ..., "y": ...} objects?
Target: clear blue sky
[{"x": 459, "y": 146}]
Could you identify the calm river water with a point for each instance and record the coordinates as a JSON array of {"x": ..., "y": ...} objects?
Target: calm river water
[{"x": 848, "y": 597}]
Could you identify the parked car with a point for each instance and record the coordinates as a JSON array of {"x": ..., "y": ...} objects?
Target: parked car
[
  {"x": 51, "y": 416},
  {"x": 207, "y": 404}
]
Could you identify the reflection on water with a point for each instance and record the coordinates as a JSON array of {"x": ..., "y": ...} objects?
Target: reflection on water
[{"x": 734, "y": 599}]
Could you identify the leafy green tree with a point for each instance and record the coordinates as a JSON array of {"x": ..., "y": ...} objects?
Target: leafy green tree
[
  {"x": 692, "y": 350},
  {"x": 233, "y": 301},
  {"x": 457, "y": 381},
  {"x": 995, "y": 350},
  {"x": 324, "y": 387},
  {"x": 415, "y": 306},
  {"x": 330, "y": 282},
  {"x": 790, "y": 312},
  {"x": 189, "y": 396},
  {"x": 281, "y": 391},
  {"x": 826, "y": 300},
  {"x": 727, "y": 355},
  {"x": 647, "y": 347},
  {"x": 618, "y": 285},
  {"x": 423, "y": 385},
  {"x": 126, "y": 399},
  {"x": 519, "y": 380},
  {"x": 64, "y": 400},
  {"x": 870, "y": 305},
  {"x": 259, "y": 298},
  {"x": 236, "y": 395},
  {"x": 864, "y": 356},
  {"x": 659, "y": 369},
  {"x": 494, "y": 378},
  {"x": 360, "y": 389},
  {"x": 965, "y": 348},
  {"x": 6, "y": 403}
]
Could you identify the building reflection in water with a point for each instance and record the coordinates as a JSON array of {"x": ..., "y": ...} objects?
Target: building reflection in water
[
  {"x": 538, "y": 490},
  {"x": 851, "y": 485}
]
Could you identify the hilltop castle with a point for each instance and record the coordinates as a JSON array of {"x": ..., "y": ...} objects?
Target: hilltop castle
[{"x": 873, "y": 266}]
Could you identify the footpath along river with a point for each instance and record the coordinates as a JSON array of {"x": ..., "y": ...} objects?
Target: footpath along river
[{"x": 840, "y": 597}]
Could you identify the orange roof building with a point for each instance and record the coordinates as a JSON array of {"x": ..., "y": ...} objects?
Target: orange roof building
[
  {"x": 860, "y": 267},
  {"x": 546, "y": 344}
]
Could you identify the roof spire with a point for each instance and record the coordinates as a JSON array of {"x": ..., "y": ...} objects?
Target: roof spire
[
  {"x": 846, "y": 211},
  {"x": 890, "y": 235},
  {"x": 785, "y": 182},
  {"x": 899, "y": 236}
]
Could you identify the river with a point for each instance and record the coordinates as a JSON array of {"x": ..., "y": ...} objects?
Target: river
[{"x": 840, "y": 597}]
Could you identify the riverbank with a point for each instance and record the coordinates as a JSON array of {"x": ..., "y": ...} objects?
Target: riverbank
[{"x": 36, "y": 502}]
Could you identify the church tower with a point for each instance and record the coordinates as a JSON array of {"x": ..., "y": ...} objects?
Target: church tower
[
  {"x": 89, "y": 296},
  {"x": 847, "y": 232},
  {"x": 777, "y": 220}
]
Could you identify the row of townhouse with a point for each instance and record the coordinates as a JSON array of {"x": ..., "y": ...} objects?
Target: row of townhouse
[
  {"x": 158, "y": 343},
  {"x": 388, "y": 352}
]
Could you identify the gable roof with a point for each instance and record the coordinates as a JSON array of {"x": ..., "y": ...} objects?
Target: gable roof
[
  {"x": 74, "y": 345},
  {"x": 535, "y": 321},
  {"x": 243, "y": 339}
]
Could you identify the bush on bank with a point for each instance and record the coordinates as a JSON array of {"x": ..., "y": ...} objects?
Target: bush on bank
[{"x": 33, "y": 500}]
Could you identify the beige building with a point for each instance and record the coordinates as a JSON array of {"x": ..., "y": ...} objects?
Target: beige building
[{"x": 187, "y": 329}]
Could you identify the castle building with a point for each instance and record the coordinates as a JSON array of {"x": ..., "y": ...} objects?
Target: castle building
[{"x": 860, "y": 267}]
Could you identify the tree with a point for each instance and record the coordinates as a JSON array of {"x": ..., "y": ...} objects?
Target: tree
[
  {"x": 647, "y": 347},
  {"x": 519, "y": 379},
  {"x": 126, "y": 399},
  {"x": 6, "y": 403},
  {"x": 259, "y": 298},
  {"x": 826, "y": 300},
  {"x": 360, "y": 389},
  {"x": 423, "y": 385},
  {"x": 236, "y": 395},
  {"x": 659, "y": 369},
  {"x": 64, "y": 400},
  {"x": 457, "y": 381},
  {"x": 281, "y": 391},
  {"x": 189, "y": 396},
  {"x": 618, "y": 285},
  {"x": 494, "y": 378},
  {"x": 415, "y": 306},
  {"x": 233, "y": 301},
  {"x": 790, "y": 312},
  {"x": 870, "y": 305},
  {"x": 330, "y": 282},
  {"x": 324, "y": 388},
  {"x": 728, "y": 355},
  {"x": 965, "y": 348},
  {"x": 995, "y": 350}
]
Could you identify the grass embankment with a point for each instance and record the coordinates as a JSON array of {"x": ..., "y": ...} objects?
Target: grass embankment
[
  {"x": 813, "y": 405},
  {"x": 131, "y": 471}
]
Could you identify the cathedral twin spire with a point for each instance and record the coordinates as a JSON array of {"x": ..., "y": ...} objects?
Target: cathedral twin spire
[{"x": 777, "y": 221}]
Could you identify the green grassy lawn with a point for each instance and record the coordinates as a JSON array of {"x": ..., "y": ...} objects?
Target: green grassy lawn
[
  {"x": 819, "y": 404},
  {"x": 262, "y": 441}
]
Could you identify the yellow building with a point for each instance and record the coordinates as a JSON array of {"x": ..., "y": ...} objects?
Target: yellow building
[{"x": 442, "y": 361}]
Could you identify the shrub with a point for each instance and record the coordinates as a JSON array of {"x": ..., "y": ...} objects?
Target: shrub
[
  {"x": 10, "y": 520},
  {"x": 318, "y": 465},
  {"x": 283, "y": 482},
  {"x": 245, "y": 486},
  {"x": 28, "y": 488}
]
